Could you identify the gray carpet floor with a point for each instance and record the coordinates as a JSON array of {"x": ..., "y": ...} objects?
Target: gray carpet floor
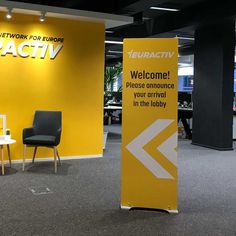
[{"x": 84, "y": 197}]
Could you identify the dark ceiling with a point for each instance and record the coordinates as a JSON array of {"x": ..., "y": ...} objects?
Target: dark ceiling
[{"x": 152, "y": 23}]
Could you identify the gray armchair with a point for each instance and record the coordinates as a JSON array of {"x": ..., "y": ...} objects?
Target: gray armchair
[{"x": 46, "y": 132}]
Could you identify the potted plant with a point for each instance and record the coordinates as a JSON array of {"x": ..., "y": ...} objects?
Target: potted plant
[{"x": 110, "y": 77}]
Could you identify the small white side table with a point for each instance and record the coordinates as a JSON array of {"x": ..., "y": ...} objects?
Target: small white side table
[{"x": 2, "y": 143}]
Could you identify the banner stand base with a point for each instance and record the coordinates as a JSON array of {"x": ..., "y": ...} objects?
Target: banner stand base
[
  {"x": 125, "y": 207},
  {"x": 148, "y": 209},
  {"x": 173, "y": 211}
]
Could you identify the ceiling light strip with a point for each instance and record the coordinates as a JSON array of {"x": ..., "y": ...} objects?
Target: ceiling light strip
[
  {"x": 164, "y": 9},
  {"x": 113, "y": 42},
  {"x": 118, "y": 52},
  {"x": 113, "y": 56},
  {"x": 187, "y": 38}
]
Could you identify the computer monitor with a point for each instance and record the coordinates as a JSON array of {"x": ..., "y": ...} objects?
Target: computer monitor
[{"x": 185, "y": 83}]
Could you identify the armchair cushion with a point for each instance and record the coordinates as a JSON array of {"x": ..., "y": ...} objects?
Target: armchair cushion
[{"x": 41, "y": 140}]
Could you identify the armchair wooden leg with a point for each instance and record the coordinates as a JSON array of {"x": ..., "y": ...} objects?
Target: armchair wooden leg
[
  {"x": 59, "y": 160},
  {"x": 55, "y": 159},
  {"x": 24, "y": 155},
  {"x": 35, "y": 150}
]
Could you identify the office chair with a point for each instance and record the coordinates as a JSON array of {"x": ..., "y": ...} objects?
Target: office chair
[{"x": 46, "y": 132}]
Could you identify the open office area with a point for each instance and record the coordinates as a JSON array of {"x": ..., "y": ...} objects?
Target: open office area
[{"x": 117, "y": 119}]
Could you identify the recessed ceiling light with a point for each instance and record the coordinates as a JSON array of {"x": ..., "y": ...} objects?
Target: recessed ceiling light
[
  {"x": 109, "y": 31},
  {"x": 118, "y": 52},
  {"x": 113, "y": 42},
  {"x": 164, "y": 9}
]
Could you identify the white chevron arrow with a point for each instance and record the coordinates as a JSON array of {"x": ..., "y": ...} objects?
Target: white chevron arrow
[{"x": 166, "y": 148}]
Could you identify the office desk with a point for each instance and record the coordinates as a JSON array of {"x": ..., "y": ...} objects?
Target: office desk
[
  {"x": 183, "y": 115},
  {"x": 109, "y": 110},
  {"x": 2, "y": 143}
]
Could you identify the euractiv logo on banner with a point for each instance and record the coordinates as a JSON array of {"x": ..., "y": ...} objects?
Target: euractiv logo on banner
[{"x": 146, "y": 54}]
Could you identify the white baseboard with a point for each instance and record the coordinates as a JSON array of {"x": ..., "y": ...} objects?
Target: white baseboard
[{"x": 63, "y": 158}]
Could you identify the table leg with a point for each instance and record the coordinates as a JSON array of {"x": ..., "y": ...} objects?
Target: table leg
[
  {"x": 2, "y": 159},
  {"x": 109, "y": 117},
  {"x": 186, "y": 128},
  {"x": 109, "y": 120},
  {"x": 9, "y": 154}
]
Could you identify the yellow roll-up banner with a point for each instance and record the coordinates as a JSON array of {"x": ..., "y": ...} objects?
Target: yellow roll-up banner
[{"x": 149, "y": 124}]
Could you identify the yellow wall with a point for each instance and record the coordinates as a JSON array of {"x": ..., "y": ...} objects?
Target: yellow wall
[{"x": 71, "y": 83}]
